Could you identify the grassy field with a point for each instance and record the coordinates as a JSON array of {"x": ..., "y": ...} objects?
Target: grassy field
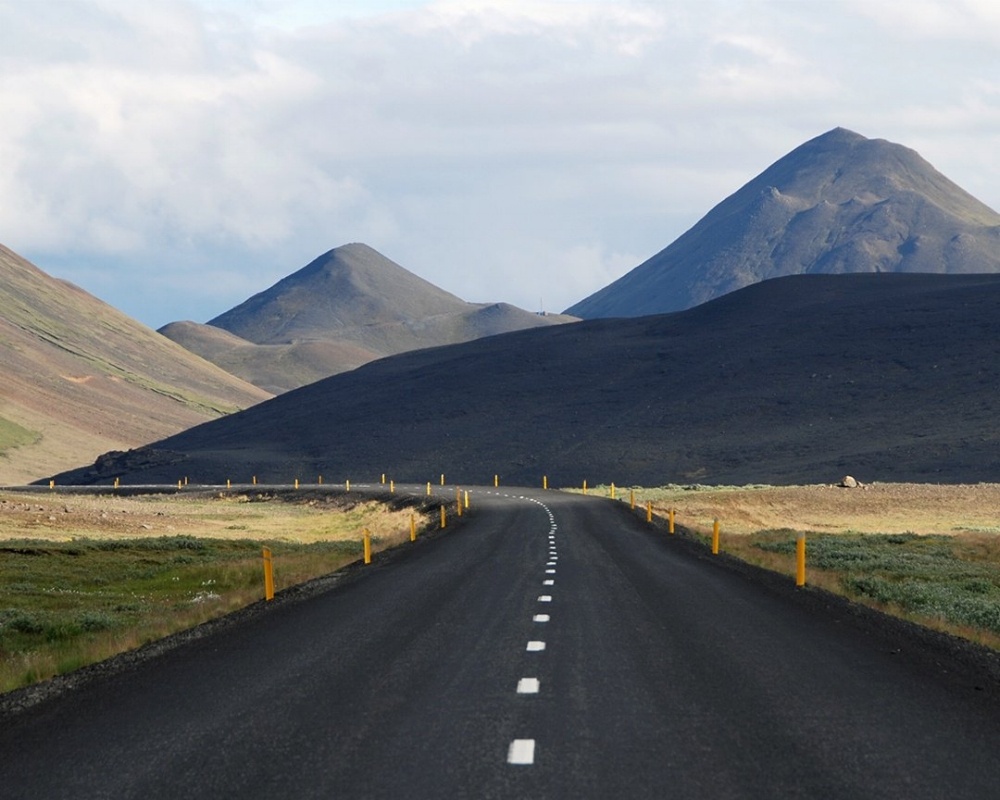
[
  {"x": 927, "y": 553},
  {"x": 83, "y": 577}
]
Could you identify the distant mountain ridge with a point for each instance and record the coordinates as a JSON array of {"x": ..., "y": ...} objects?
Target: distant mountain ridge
[
  {"x": 81, "y": 377},
  {"x": 347, "y": 307},
  {"x": 840, "y": 203}
]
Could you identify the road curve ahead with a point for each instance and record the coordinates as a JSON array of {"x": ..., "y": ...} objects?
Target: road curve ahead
[{"x": 552, "y": 646}]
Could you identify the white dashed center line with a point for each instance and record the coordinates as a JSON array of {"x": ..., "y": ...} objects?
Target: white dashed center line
[
  {"x": 548, "y": 582},
  {"x": 521, "y": 751},
  {"x": 550, "y": 572},
  {"x": 544, "y": 598},
  {"x": 528, "y": 686},
  {"x": 540, "y": 618},
  {"x": 535, "y": 647}
]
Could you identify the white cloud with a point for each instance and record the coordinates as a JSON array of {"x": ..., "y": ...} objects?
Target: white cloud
[{"x": 487, "y": 145}]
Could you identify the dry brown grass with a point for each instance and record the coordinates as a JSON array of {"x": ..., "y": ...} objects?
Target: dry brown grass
[{"x": 876, "y": 508}]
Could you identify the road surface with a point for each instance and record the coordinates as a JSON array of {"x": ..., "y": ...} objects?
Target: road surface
[{"x": 552, "y": 646}]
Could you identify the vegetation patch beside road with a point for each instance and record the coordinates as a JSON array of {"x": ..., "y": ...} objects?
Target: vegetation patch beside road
[
  {"x": 924, "y": 552},
  {"x": 84, "y": 577}
]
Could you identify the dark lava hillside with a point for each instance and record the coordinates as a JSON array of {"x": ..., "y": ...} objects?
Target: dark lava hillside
[
  {"x": 794, "y": 380},
  {"x": 840, "y": 203}
]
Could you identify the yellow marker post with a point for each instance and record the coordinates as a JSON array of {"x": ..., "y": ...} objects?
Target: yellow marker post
[
  {"x": 649, "y": 511},
  {"x": 670, "y": 523},
  {"x": 347, "y": 485},
  {"x": 185, "y": 480},
  {"x": 442, "y": 479},
  {"x": 254, "y": 480},
  {"x": 179, "y": 484},
  {"x": 584, "y": 486},
  {"x": 296, "y": 483},
  {"x": 368, "y": 546},
  {"x": 715, "y": 538},
  {"x": 612, "y": 491},
  {"x": 466, "y": 499},
  {"x": 229, "y": 484},
  {"x": 52, "y": 484},
  {"x": 413, "y": 528},
  {"x": 319, "y": 480},
  {"x": 545, "y": 481},
  {"x": 800, "y": 560},
  {"x": 383, "y": 478},
  {"x": 631, "y": 498},
  {"x": 496, "y": 481},
  {"x": 428, "y": 488},
  {"x": 444, "y": 517},
  {"x": 392, "y": 487},
  {"x": 116, "y": 482},
  {"x": 268, "y": 575}
]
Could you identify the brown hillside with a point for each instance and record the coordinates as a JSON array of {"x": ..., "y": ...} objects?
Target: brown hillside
[{"x": 80, "y": 377}]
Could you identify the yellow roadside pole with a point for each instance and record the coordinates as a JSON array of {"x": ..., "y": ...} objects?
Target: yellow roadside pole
[
  {"x": 347, "y": 484},
  {"x": 319, "y": 480},
  {"x": 383, "y": 477},
  {"x": 612, "y": 491},
  {"x": 52, "y": 484},
  {"x": 254, "y": 480},
  {"x": 545, "y": 481},
  {"x": 268, "y": 575},
  {"x": 444, "y": 517},
  {"x": 466, "y": 500},
  {"x": 229, "y": 484},
  {"x": 496, "y": 481},
  {"x": 442, "y": 479},
  {"x": 649, "y": 511},
  {"x": 368, "y": 546},
  {"x": 296, "y": 483},
  {"x": 800, "y": 560},
  {"x": 392, "y": 487},
  {"x": 715, "y": 538},
  {"x": 631, "y": 498},
  {"x": 585, "y": 486},
  {"x": 428, "y": 488},
  {"x": 413, "y": 528},
  {"x": 670, "y": 525}
]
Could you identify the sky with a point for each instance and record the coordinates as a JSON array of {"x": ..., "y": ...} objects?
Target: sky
[{"x": 175, "y": 157}]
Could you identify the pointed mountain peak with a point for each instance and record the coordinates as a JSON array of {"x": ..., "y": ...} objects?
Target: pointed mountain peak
[
  {"x": 837, "y": 203},
  {"x": 349, "y": 286}
]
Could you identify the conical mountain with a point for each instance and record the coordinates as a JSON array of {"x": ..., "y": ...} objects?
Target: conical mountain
[
  {"x": 840, "y": 203},
  {"x": 80, "y": 377},
  {"x": 347, "y": 307},
  {"x": 347, "y": 288}
]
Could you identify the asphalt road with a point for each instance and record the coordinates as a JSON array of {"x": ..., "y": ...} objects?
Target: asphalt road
[{"x": 663, "y": 674}]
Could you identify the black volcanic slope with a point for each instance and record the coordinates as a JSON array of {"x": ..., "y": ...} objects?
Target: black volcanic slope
[
  {"x": 839, "y": 203},
  {"x": 800, "y": 379}
]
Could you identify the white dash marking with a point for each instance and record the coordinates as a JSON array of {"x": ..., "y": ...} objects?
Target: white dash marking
[
  {"x": 521, "y": 751},
  {"x": 552, "y": 562},
  {"x": 528, "y": 686},
  {"x": 544, "y": 598},
  {"x": 535, "y": 647},
  {"x": 548, "y": 582},
  {"x": 540, "y": 618},
  {"x": 550, "y": 572}
]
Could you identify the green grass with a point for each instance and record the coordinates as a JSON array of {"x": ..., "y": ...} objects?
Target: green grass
[
  {"x": 66, "y": 604},
  {"x": 13, "y": 435},
  {"x": 950, "y": 582}
]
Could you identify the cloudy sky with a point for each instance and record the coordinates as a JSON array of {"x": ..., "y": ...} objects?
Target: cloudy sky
[{"x": 175, "y": 157}]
